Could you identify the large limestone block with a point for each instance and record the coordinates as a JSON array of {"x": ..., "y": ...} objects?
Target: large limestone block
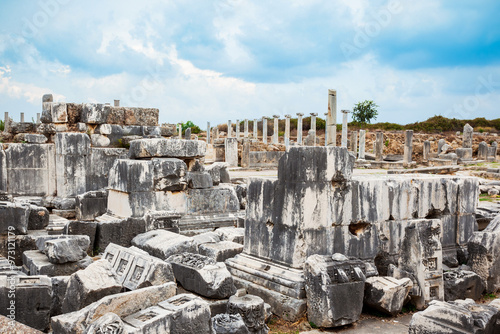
[
  {"x": 461, "y": 284},
  {"x": 27, "y": 298},
  {"x": 14, "y": 218},
  {"x": 136, "y": 269},
  {"x": 387, "y": 294},
  {"x": 252, "y": 310},
  {"x": 202, "y": 275},
  {"x": 91, "y": 204},
  {"x": 89, "y": 285},
  {"x": 122, "y": 304},
  {"x": 59, "y": 286},
  {"x": 163, "y": 244},
  {"x": 192, "y": 314},
  {"x": 101, "y": 162},
  {"x": 220, "y": 251},
  {"x": 335, "y": 289},
  {"x": 167, "y": 148},
  {"x": 66, "y": 250}
]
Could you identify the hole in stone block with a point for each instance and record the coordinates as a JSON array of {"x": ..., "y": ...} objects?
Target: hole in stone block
[{"x": 359, "y": 228}]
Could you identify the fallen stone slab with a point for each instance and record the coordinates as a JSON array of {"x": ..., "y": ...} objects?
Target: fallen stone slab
[
  {"x": 252, "y": 310},
  {"x": 462, "y": 284},
  {"x": 228, "y": 324},
  {"x": 136, "y": 269},
  {"x": 220, "y": 251},
  {"x": 38, "y": 218},
  {"x": 109, "y": 323},
  {"x": 154, "y": 319},
  {"x": 335, "y": 289},
  {"x": 21, "y": 243},
  {"x": 164, "y": 244},
  {"x": 121, "y": 231},
  {"x": 37, "y": 263},
  {"x": 387, "y": 294},
  {"x": 41, "y": 241},
  {"x": 122, "y": 304},
  {"x": 427, "y": 170},
  {"x": 167, "y": 148},
  {"x": 64, "y": 250},
  {"x": 27, "y": 298},
  {"x": 88, "y": 228},
  {"x": 89, "y": 285},
  {"x": 202, "y": 275},
  {"x": 218, "y": 172},
  {"x": 233, "y": 234},
  {"x": 206, "y": 237},
  {"x": 191, "y": 314}
]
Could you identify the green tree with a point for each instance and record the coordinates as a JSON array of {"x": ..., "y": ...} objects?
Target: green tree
[
  {"x": 364, "y": 112},
  {"x": 194, "y": 128}
]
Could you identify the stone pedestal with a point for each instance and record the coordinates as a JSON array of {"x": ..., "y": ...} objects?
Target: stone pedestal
[
  {"x": 482, "y": 152},
  {"x": 354, "y": 142}
]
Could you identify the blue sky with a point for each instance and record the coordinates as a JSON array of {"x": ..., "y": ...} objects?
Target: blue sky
[{"x": 236, "y": 59}]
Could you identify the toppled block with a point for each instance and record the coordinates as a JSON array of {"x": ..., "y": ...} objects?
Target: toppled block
[
  {"x": 27, "y": 298},
  {"x": 218, "y": 172},
  {"x": 460, "y": 316},
  {"x": 122, "y": 304},
  {"x": 164, "y": 244},
  {"x": 199, "y": 180},
  {"x": 484, "y": 254},
  {"x": 162, "y": 220},
  {"x": 37, "y": 263},
  {"x": 88, "y": 228},
  {"x": 387, "y": 294},
  {"x": 117, "y": 230},
  {"x": 202, "y": 275},
  {"x": 192, "y": 314},
  {"x": 462, "y": 284},
  {"x": 233, "y": 234},
  {"x": 154, "y": 319},
  {"x": 220, "y": 251},
  {"x": 136, "y": 269},
  {"x": 14, "y": 218},
  {"x": 59, "y": 286},
  {"x": 90, "y": 205},
  {"x": 167, "y": 148},
  {"x": 229, "y": 324},
  {"x": 17, "y": 327},
  {"x": 108, "y": 322},
  {"x": 207, "y": 237},
  {"x": 335, "y": 289},
  {"x": 252, "y": 310},
  {"x": 38, "y": 218},
  {"x": 89, "y": 285},
  {"x": 64, "y": 250}
]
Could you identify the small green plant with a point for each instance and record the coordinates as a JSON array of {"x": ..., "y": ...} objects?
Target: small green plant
[
  {"x": 194, "y": 128},
  {"x": 2, "y": 125},
  {"x": 481, "y": 130},
  {"x": 490, "y": 296},
  {"x": 122, "y": 144},
  {"x": 386, "y": 143},
  {"x": 408, "y": 308},
  {"x": 312, "y": 324}
]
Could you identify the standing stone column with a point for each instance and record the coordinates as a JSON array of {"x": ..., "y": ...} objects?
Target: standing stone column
[
  {"x": 344, "y": 128},
  {"x": 188, "y": 134},
  {"x": 427, "y": 150},
  {"x": 237, "y": 129},
  {"x": 22, "y": 117},
  {"x": 180, "y": 131},
  {"x": 467, "y": 141},
  {"x": 331, "y": 120},
  {"x": 208, "y": 132},
  {"x": 408, "y": 149},
  {"x": 379, "y": 146},
  {"x": 354, "y": 142},
  {"x": 326, "y": 129},
  {"x": 362, "y": 142},
  {"x": 287, "y": 131},
  {"x": 37, "y": 118},
  {"x": 245, "y": 128},
  {"x": 231, "y": 151},
  {"x": 6, "y": 122},
  {"x": 441, "y": 143},
  {"x": 245, "y": 153},
  {"x": 275, "y": 139},
  {"x": 312, "y": 132},
  {"x": 482, "y": 152},
  {"x": 299, "y": 128},
  {"x": 117, "y": 103},
  {"x": 229, "y": 129},
  {"x": 255, "y": 132},
  {"x": 264, "y": 130}
]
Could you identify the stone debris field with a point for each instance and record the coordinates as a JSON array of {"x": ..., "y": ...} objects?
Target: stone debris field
[{"x": 112, "y": 223}]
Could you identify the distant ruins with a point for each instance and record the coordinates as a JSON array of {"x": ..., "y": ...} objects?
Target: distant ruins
[{"x": 112, "y": 223}]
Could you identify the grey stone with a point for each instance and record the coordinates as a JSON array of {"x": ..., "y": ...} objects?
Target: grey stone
[
  {"x": 37, "y": 263},
  {"x": 233, "y": 234},
  {"x": 220, "y": 251},
  {"x": 387, "y": 294},
  {"x": 65, "y": 250},
  {"x": 493, "y": 192},
  {"x": 334, "y": 289},
  {"x": 241, "y": 192},
  {"x": 164, "y": 220},
  {"x": 14, "y": 218},
  {"x": 42, "y": 240},
  {"x": 441, "y": 143},
  {"x": 467, "y": 138},
  {"x": 89, "y": 285},
  {"x": 461, "y": 284},
  {"x": 38, "y": 218},
  {"x": 164, "y": 244},
  {"x": 59, "y": 286},
  {"x": 207, "y": 237},
  {"x": 47, "y": 98},
  {"x": 252, "y": 310},
  {"x": 482, "y": 152},
  {"x": 122, "y": 304},
  {"x": 199, "y": 180},
  {"x": 136, "y": 269},
  {"x": 167, "y": 148},
  {"x": 91, "y": 204},
  {"x": 202, "y": 275},
  {"x": 99, "y": 140},
  {"x": 154, "y": 319},
  {"x": 231, "y": 152},
  {"x": 120, "y": 231},
  {"x": 219, "y": 173},
  {"x": 101, "y": 162},
  {"x": 192, "y": 314},
  {"x": 33, "y": 138},
  {"x": 68, "y": 214},
  {"x": 28, "y": 299},
  {"x": 108, "y": 323},
  {"x": 104, "y": 129},
  {"x": 464, "y": 154},
  {"x": 88, "y": 228},
  {"x": 64, "y": 203},
  {"x": 229, "y": 324},
  {"x": 187, "y": 134}
]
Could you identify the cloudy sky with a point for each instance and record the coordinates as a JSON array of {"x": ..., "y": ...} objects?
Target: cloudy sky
[{"x": 236, "y": 59}]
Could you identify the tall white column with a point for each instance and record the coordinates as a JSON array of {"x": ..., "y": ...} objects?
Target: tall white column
[
  {"x": 275, "y": 139},
  {"x": 264, "y": 130},
  {"x": 287, "y": 131},
  {"x": 362, "y": 141},
  {"x": 331, "y": 120},
  {"x": 237, "y": 129},
  {"x": 208, "y": 132},
  {"x": 245, "y": 134},
  {"x": 255, "y": 132},
  {"x": 299, "y": 128},
  {"x": 313, "y": 127},
  {"x": 326, "y": 129},
  {"x": 229, "y": 129},
  {"x": 180, "y": 131},
  {"x": 344, "y": 127}
]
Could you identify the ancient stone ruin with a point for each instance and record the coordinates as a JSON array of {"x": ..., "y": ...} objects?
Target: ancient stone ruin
[{"x": 112, "y": 223}]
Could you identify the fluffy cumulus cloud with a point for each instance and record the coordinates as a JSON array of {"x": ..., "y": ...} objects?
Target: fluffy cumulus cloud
[{"x": 236, "y": 59}]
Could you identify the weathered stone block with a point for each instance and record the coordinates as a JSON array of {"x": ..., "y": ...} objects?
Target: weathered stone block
[
  {"x": 387, "y": 294},
  {"x": 199, "y": 180},
  {"x": 167, "y": 148},
  {"x": 202, "y": 275},
  {"x": 37, "y": 263},
  {"x": 154, "y": 319},
  {"x": 88, "y": 228},
  {"x": 59, "y": 112},
  {"x": 99, "y": 140},
  {"x": 220, "y": 251},
  {"x": 89, "y": 285},
  {"x": 91, "y": 204},
  {"x": 164, "y": 244},
  {"x": 252, "y": 310},
  {"x": 59, "y": 286},
  {"x": 229, "y": 324},
  {"x": 14, "y": 218},
  {"x": 192, "y": 314},
  {"x": 64, "y": 250},
  {"x": 464, "y": 154},
  {"x": 101, "y": 162},
  {"x": 462, "y": 284},
  {"x": 218, "y": 172},
  {"x": 38, "y": 218},
  {"x": 117, "y": 230}
]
